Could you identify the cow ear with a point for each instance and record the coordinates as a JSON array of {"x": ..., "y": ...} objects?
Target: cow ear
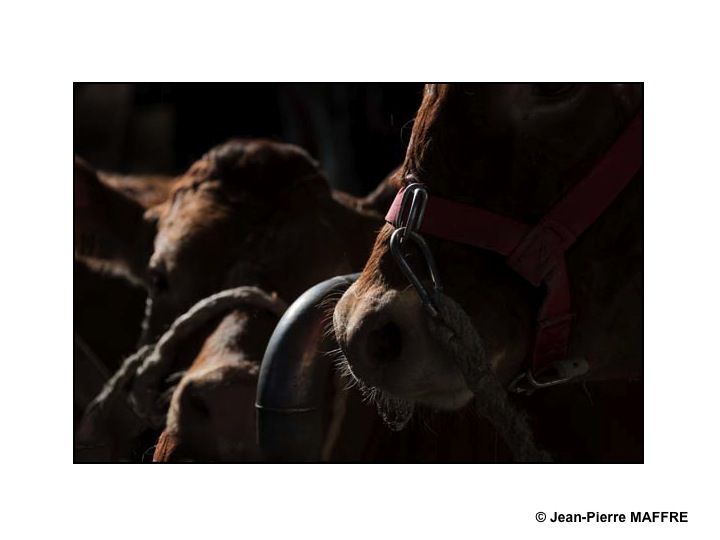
[
  {"x": 299, "y": 174},
  {"x": 110, "y": 231},
  {"x": 380, "y": 199}
]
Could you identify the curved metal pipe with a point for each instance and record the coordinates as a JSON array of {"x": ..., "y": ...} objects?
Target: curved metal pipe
[{"x": 293, "y": 390}]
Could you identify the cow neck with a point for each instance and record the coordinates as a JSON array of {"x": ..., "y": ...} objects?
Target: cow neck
[{"x": 538, "y": 252}]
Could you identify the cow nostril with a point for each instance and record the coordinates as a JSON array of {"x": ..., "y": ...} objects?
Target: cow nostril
[{"x": 384, "y": 344}]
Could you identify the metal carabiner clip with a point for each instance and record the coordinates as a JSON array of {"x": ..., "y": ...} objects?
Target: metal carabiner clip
[
  {"x": 413, "y": 204},
  {"x": 408, "y": 222}
]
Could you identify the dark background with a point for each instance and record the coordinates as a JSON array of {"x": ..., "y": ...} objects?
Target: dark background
[{"x": 358, "y": 131}]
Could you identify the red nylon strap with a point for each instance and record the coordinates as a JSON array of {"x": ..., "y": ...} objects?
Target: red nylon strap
[
  {"x": 542, "y": 248},
  {"x": 538, "y": 253},
  {"x": 466, "y": 224}
]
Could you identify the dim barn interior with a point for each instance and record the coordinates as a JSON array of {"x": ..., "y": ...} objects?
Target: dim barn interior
[{"x": 358, "y": 272}]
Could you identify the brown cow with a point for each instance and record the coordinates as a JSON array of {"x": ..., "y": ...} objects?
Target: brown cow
[
  {"x": 245, "y": 214},
  {"x": 224, "y": 374},
  {"x": 108, "y": 310},
  {"x": 514, "y": 150},
  {"x": 212, "y": 411},
  {"x": 248, "y": 213}
]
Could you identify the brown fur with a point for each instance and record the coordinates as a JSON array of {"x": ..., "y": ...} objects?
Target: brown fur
[
  {"x": 212, "y": 412},
  {"x": 108, "y": 310},
  {"x": 377, "y": 202},
  {"x": 248, "y": 213},
  {"x": 148, "y": 190},
  {"x": 515, "y": 149},
  {"x": 243, "y": 215}
]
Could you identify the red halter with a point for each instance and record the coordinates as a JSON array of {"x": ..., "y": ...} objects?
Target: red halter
[{"x": 538, "y": 253}]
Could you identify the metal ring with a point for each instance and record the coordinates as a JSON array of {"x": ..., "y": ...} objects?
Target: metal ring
[
  {"x": 416, "y": 196},
  {"x": 397, "y": 240}
]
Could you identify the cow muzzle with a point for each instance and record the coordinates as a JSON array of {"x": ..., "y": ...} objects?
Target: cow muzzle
[
  {"x": 384, "y": 336},
  {"x": 212, "y": 416}
]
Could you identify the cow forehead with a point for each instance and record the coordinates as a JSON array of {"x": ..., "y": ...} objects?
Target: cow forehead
[{"x": 193, "y": 201}]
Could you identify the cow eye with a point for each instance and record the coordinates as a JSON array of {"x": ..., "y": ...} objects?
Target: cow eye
[
  {"x": 553, "y": 90},
  {"x": 158, "y": 280}
]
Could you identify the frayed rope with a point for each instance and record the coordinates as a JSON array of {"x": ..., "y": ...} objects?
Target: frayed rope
[
  {"x": 455, "y": 330},
  {"x": 141, "y": 375}
]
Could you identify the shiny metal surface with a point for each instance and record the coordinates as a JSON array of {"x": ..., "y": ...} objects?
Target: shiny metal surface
[{"x": 294, "y": 377}]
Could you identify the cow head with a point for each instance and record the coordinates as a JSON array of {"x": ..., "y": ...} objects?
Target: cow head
[
  {"x": 513, "y": 149},
  {"x": 248, "y": 213},
  {"x": 212, "y": 411}
]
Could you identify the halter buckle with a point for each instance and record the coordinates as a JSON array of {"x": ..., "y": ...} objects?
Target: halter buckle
[
  {"x": 407, "y": 224},
  {"x": 412, "y": 207},
  {"x": 565, "y": 371}
]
